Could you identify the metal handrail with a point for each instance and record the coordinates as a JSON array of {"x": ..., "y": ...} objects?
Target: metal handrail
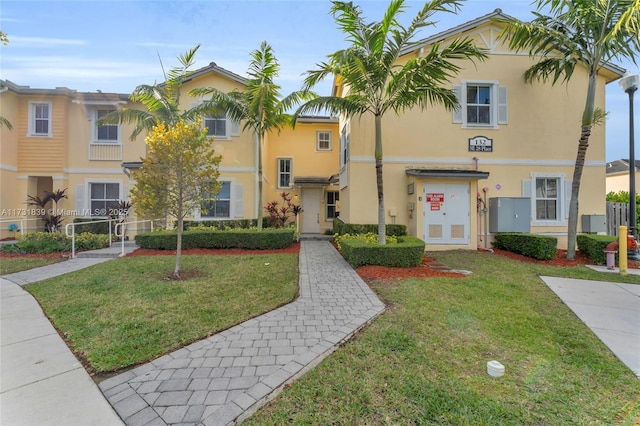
[
  {"x": 73, "y": 232},
  {"x": 121, "y": 225},
  {"x": 21, "y": 219}
]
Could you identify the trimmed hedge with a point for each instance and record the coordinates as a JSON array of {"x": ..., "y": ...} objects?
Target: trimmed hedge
[
  {"x": 56, "y": 242},
  {"x": 93, "y": 228},
  {"x": 222, "y": 225},
  {"x": 236, "y": 238},
  {"x": 537, "y": 246},
  {"x": 408, "y": 252},
  {"x": 593, "y": 246},
  {"x": 340, "y": 227}
]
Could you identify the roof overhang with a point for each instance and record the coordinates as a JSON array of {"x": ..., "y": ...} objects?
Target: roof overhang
[
  {"x": 129, "y": 166},
  {"x": 313, "y": 180},
  {"x": 448, "y": 174}
]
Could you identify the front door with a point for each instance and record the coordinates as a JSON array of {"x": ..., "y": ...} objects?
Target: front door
[
  {"x": 446, "y": 218},
  {"x": 311, "y": 210}
]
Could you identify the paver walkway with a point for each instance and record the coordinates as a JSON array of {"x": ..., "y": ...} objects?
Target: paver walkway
[{"x": 226, "y": 378}]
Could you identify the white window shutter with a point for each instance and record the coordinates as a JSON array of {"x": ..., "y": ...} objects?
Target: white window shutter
[
  {"x": 526, "y": 188},
  {"x": 238, "y": 202},
  {"x": 502, "y": 105},
  {"x": 235, "y": 128},
  {"x": 125, "y": 193},
  {"x": 567, "y": 196},
  {"x": 457, "y": 113},
  {"x": 80, "y": 200}
]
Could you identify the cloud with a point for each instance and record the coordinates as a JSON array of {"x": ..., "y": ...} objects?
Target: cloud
[{"x": 44, "y": 42}]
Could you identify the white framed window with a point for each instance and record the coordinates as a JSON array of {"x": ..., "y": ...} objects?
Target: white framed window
[
  {"x": 550, "y": 195},
  {"x": 481, "y": 104},
  {"x": 323, "y": 140},
  {"x": 106, "y": 133},
  {"x": 104, "y": 198},
  {"x": 333, "y": 204},
  {"x": 285, "y": 172},
  {"x": 344, "y": 146},
  {"x": 218, "y": 206},
  {"x": 40, "y": 119},
  {"x": 217, "y": 126}
]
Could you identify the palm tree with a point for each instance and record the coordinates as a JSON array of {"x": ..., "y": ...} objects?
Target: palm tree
[
  {"x": 577, "y": 33},
  {"x": 259, "y": 104},
  {"x": 377, "y": 83},
  {"x": 161, "y": 101}
]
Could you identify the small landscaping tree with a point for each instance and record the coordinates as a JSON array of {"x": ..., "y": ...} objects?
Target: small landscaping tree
[
  {"x": 280, "y": 214},
  {"x": 179, "y": 171},
  {"x": 52, "y": 218}
]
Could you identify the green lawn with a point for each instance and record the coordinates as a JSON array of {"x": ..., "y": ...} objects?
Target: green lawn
[
  {"x": 126, "y": 311},
  {"x": 9, "y": 265},
  {"x": 424, "y": 360}
]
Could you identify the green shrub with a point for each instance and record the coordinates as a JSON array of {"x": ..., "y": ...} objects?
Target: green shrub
[
  {"x": 93, "y": 228},
  {"x": 235, "y": 238},
  {"x": 44, "y": 242},
  {"x": 406, "y": 252},
  {"x": 531, "y": 245},
  {"x": 222, "y": 225},
  {"x": 340, "y": 227},
  {"x": 593, "y": 246},
  {"x": 89, "y": 241}
]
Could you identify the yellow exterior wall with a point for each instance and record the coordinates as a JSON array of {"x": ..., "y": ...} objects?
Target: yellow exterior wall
[
  {"x": 620, "y": 182},
  {"x": 541, "y": 136},
  {"x": 299, "y": 145}
]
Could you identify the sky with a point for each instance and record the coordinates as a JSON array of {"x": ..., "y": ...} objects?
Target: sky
[{"x": 113, "y": 46}]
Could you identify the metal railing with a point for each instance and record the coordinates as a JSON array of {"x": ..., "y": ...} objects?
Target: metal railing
[
  {"x": 22, "y": 220},
  {"x": 73, "y": 232},
  {"x": 122, "y": 228}
]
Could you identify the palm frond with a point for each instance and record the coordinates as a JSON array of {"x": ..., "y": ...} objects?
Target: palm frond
[{"x": 5, "y": 123}]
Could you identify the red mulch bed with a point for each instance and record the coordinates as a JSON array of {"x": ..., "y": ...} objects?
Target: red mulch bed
[
  {"x": 292, "y": 249},
  {"x": 64, "y": 255}
]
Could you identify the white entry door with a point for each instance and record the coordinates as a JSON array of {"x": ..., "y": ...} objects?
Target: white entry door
[
  {"x": 446, "y": 218},
  {"x": 311, "y": 210}
]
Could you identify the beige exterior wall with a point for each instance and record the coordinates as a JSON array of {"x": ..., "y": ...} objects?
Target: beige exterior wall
[
  {"x": 620, "y": 182},
  {"x": 539, "y": 139}
]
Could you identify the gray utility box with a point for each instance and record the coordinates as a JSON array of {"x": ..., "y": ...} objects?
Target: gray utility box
[
  {"x": 509, "y": 214},
  {"x": 594, "y": 223}
]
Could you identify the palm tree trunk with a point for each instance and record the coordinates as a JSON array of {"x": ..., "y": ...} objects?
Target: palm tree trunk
[
  {"x": 259, "y": 224},
  {"x": 572, "y": 230},
  {"x": 379, "y": 181}
]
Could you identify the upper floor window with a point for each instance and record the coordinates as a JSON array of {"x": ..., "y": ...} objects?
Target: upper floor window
[
  {"x": 344, "y": 146},
  {"x": 106, "y": 133},
  {"x": 482, "y": 104},
  {"x": 218, "y": 205},
  {"x": 39, "y": 119},
  {"x": 217, "y": 126},
  {"x": 284, "y": 172},
  {"x": 323, "y": 140}
]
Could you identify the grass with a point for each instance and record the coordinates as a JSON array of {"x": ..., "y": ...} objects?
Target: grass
[
  {"x": 9, "y": 265},
  {"x": 126, "y": 311},
  {"x": 424, "y": 360}
]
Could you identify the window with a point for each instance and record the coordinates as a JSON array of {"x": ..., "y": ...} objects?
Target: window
[
  {"x": 323, "y": 140},
  {"x": 344, "y": 146},
  {"x": 40, "y": 119},
  {"x": 547, "y": 198},
  {"x": 333, "y": 209},
  {"x": 106, "y": 133},
  {"x": 478, "y": 104},
  {"x": 217, "y": 125},
  {"x": 284, "y": 172},
  {"x": 219, "y": 205},
  {"x": 105, "y": 197},
  {"x": 482, "y": 104}
]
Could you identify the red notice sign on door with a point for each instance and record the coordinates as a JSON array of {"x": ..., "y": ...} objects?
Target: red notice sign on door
[
  {"x": 434, "y": 197},
  {"x": 435, "y": 207}
]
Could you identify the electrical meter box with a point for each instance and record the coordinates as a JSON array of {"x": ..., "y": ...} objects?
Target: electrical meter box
[
  {"x": 509, "y": 214},
  {"x": 594, "y": 223}
]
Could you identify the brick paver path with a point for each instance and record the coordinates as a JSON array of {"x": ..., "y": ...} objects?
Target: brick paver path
[{"x": 226, "y": 378}]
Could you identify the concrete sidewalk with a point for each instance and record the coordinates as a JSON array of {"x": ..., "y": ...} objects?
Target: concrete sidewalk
[
  {"x": 610, "y": 310},
  {"x": 42, "y": 382}
]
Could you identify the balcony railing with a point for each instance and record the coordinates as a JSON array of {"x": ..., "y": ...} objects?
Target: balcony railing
[{"x": 105, "y": 151}]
